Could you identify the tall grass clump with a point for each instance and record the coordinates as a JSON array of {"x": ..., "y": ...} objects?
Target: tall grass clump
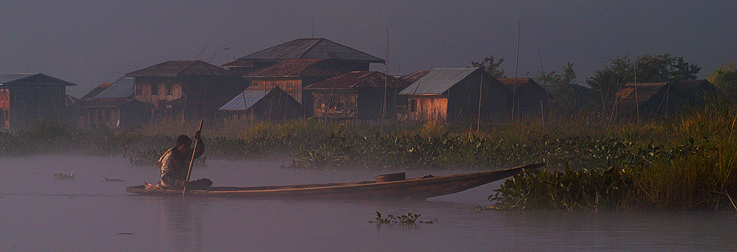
[
  {"x": 689, "y": 163},
  {"x": 707, "y": 176}
]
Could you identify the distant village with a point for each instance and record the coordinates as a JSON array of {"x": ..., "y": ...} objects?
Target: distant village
[{"x": 310, "y": 78}]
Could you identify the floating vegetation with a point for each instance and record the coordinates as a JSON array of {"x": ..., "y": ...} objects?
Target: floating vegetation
[
  {"x": 407, "y": 219},
  {"x": 62, "y": 176},
  {"x": 569, "y": 190},
  {"x": 112, "y": 180}
]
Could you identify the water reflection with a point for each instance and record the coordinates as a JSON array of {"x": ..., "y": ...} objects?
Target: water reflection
[{"x": 182, "y": 218}]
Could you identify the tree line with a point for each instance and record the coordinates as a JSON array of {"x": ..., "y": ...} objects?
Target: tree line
[{"x": 618, "y": 71}]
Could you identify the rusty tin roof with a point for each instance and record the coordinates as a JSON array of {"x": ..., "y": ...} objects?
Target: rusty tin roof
[
  {"x": 31, "y": 78},
  {"x": 311, "y": 48},
  {"x": 414, "y": 76},
  {"x": 298, "y": 68},
  {"x": 178, "y": 68},
  {"x": 360, "y": 79}
]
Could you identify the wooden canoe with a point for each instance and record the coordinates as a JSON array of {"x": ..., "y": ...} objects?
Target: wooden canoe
[{"x": 390, "y": 186}]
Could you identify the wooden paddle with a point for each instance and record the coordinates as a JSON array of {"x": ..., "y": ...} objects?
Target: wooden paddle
[{"x": 191, "y": 161}]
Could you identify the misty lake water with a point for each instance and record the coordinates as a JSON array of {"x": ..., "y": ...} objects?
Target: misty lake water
[{"x": 40, "y": 213}]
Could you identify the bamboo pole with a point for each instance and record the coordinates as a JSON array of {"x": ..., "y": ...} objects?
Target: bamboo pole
[{"x": 191, "y": 161}]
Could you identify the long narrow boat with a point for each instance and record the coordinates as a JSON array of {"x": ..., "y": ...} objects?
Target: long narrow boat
[{"x": 389, "y": 186}]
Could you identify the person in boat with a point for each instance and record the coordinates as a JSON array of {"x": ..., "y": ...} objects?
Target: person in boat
[{"x": 174, "y": 165}]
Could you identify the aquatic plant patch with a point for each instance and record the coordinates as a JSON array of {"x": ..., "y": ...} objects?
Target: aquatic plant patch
[{"x": 405, "y": 219}]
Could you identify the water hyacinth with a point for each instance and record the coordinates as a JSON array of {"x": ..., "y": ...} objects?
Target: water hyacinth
[{"x": 568, "y": 190}]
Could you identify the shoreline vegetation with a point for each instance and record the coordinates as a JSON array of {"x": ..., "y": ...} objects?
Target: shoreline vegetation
[{"x": 688, "y": 163}]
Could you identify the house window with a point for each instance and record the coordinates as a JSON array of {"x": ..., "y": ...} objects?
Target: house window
[
  {"x": 168, "y": 88},
  {"x": 154, "y": 89},
  {"x": 139, "y": 90},
  {"x": 412, "y": 105}
]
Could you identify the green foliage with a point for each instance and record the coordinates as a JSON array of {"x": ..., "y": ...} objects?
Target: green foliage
[
  {"x": 569, "y": 190},
  {"x": 551, "y": 78},
  {"x": 407, "y": 219},
  {"x": 490, "y": 66},
  {"x": 649, "y": 68},
  {"x": 566, "y": 97},
  {"x": 725, "y": 79}
]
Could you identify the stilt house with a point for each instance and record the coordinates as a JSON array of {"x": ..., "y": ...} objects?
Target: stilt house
[
  {"x": 191, "y": 89},
  {"x": 28, "y": 97}
]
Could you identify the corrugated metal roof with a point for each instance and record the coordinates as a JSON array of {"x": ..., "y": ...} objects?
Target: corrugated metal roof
[
  {"x": 247, "y": 99},
  {"x": 97, "y": 90},
  {"x": 238, "y": 63},
  {"x": 5, "y": 78},
  {"x": 311, "y": 48},
  {"x": 70, "y": 100},
  {"x": 627, "y": 100},
  {"x": 360, "y": 79},
  {"x": 8, "y": 79},
  {"x": 107, "y": 103},
  {"x": 414, "y": 76},
  {"x": 438, "y": 81},
  {"x": 122, "y": 88},
  {"x": 515, "y": 82},
  {"x": 175, "y": 68},
  {"x": 297, "y": 68}
]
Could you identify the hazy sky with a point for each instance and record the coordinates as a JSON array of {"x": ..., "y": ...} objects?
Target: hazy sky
[{"x": 90, "y": 42}]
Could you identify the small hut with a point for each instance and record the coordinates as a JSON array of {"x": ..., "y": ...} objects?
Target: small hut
[
  {"x": 457, "y": 95},
  {"x": 530, "y": 99},
  {"x": 648, "y": 101}
]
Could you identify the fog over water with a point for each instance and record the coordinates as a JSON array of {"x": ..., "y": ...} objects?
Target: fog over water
[
  {"x": 90, "y": 42},
  {"x": 40, "y": 213}
]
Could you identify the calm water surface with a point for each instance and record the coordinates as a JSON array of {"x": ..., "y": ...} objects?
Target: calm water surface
[{"x": 40, "y": 213}]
